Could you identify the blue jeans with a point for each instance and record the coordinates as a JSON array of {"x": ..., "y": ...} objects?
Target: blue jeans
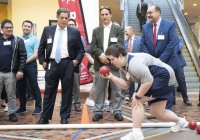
[{"x": 30, "y": 73}]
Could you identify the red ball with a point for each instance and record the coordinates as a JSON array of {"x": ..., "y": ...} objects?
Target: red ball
[
  {"x": 198, "y": 129},
  {"x": 192, "y": 125},
  {"x": 104, "y": 70}
]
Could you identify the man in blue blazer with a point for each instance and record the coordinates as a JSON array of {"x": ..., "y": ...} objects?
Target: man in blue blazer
[
  {"x": 180, "y": 77},
  {"x": 159, "y": 38},
  {"x": 60, "y": 51},
  {"x": 132, "y": 45}
]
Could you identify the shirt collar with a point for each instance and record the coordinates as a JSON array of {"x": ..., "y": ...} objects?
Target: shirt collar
[
  {"x": 158, "y": 22},
  {"x": 58, "y": 28},
  {"x": 109, "y": 25},
  {"x": 26, "y": 37}
]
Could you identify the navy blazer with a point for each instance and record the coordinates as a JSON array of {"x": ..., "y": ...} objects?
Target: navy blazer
[
  {"x": 74, "y": 44},
  {"x": 136, "y": 44},
  {"x": 179, "y": 48},
  {"x": 164, "y": 49}
]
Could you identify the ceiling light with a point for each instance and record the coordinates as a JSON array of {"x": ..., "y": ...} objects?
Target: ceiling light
[
  {"x": 194, "y": 4},
  {"x": 185, "y": 13}
]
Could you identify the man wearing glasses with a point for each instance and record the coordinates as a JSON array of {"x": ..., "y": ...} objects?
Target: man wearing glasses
[
  {"x": 159, "y": 38},
  {"x": 13, "y": 58}
]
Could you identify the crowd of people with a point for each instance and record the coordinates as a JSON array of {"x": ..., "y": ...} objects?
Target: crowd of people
[{"x": 152, "y": 61}]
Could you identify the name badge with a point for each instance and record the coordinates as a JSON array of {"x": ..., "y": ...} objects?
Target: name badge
[
  {"x": 27, "y": 40},
  {"x": 113, "y": 39},
  {"x": 7, "y": 43},
  {"x": 49, "y": 40},
  {"x": 161, "y": 37},
  {"x": 128, "y": 76}
]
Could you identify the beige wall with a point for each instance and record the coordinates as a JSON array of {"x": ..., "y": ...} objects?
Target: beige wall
[
  {"x": 3, "y": 11},
  {"x": 38, "y": 11}
]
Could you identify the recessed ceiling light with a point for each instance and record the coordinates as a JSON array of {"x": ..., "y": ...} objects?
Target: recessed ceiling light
[
  {"x": 185, "y": 13},
  {"x": 194, "y": 4}
]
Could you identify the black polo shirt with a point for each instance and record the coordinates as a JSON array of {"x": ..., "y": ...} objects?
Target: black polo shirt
[{"x": 6, "y": 46}]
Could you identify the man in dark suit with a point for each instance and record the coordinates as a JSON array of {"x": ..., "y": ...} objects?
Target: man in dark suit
[
  {"x": 180, "y": 77},
  {"x": 60, "y": 51},
  {"x": 159, "y": 38},
  {"x": 102, "y": 37},
  {"x": 141, "y": 12},
  {"x": 132, "y": 45}
]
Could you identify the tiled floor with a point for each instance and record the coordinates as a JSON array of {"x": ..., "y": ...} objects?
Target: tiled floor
[{"x": 191, "y": 113}]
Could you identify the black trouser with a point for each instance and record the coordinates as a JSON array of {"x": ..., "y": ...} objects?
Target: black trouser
[{"x": 63, "y": 71}]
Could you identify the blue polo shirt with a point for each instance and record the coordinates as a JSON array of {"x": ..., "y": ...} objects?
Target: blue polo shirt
[
  {"x": 31, "y": 42},
  {"x": 6, "y": 47}
]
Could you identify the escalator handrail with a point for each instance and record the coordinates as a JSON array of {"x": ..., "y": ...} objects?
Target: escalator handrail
[{"x": 194, "y": 58}]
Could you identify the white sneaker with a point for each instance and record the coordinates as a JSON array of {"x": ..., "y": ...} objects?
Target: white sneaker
[
  {"x": 133, "y": 136},
  {"x": 6, "y": 108},
  {"x": 89, "y": 102},
  {"x": 106, "y": 102},
  {"x": 183, "y": 123}
]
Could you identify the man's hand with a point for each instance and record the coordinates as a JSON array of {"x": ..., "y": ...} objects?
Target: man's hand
[
  {"x": 103, "y": 58},
  {"x": 44, "y": 65},
  {"x": 19, "y": 75},
  {"x": 75, "y": 62}
]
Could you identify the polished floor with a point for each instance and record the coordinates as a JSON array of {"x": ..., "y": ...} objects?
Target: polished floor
[{"x": 190, "y": 112}]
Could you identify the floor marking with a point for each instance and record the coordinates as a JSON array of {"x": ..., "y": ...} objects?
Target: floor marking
[
  {"x": 18, "y": 137},
  {"x": 110, "y": 134}
]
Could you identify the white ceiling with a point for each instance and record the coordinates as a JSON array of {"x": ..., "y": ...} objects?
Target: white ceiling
[{"x": 193, "y": 11}]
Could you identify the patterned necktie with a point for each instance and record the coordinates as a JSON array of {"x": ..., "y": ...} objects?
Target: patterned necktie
[
  {"x": 154, "y": 34},
  {"x": 130, "y": 45},
  {"x": 58, "y": 48}
]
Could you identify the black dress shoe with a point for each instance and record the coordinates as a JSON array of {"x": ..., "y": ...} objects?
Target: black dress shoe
[
  {"x": 118, "y": 117},
  {"x": 187, "y": 102},
  {"x": 64, "y": 121},
  {"x": 29, "y": 98},
  {"x": 77, "y": 108},
  {"x": 43, "y": 121},
  {"x": 97, "y": 117},
  {"x": 12, "y": 117}
]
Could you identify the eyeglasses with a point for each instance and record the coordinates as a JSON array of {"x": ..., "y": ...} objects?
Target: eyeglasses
[
  {"x": 150, "y": 12},
  {"x": 8, "y": 28}
]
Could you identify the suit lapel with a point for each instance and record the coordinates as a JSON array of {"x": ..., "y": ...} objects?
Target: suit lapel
[
  {"x": 160, "y": 31},
  {"x": 112, "y": 33},
  {"x": 101, "y": 34}
]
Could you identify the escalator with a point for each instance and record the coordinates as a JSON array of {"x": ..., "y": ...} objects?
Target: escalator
[{"x": 170, "y": 9}]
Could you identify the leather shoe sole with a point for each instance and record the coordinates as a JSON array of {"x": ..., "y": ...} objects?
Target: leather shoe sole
[
  {"x": 43, "y": 121},
  {"x": 188, "y": 103},
  {"x": 64, "y": 121},
  {"x": 97, "y": 117},
  {"x": 118, "y": 117},
  {"x": 77, "y": 108}
]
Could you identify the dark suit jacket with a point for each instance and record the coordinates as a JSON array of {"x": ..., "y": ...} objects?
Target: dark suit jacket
[
  {"x": 144, "y": 8},
  {"x": 97, "y": 43},
  {"x": 75, "y": 46},
  {"x": 136, "y": 44},
  {"x": 178, "y": 50},
  {"x": 164, "y": 49}
]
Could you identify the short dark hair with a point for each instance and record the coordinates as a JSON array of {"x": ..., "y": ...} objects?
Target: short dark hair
[
  {"x": 115, "y": 50},
  {"x": 28, "y": 21},
  {"x": 107, "y": 8},
  {"x": 73, "y": 20},
  {"x": 4, "y": 22},
  {"x": 157, "y": 8},
  {"x": 62, "y": 10}
]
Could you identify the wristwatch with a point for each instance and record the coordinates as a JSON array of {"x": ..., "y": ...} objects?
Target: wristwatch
[{"x": 138, "y": 97}]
